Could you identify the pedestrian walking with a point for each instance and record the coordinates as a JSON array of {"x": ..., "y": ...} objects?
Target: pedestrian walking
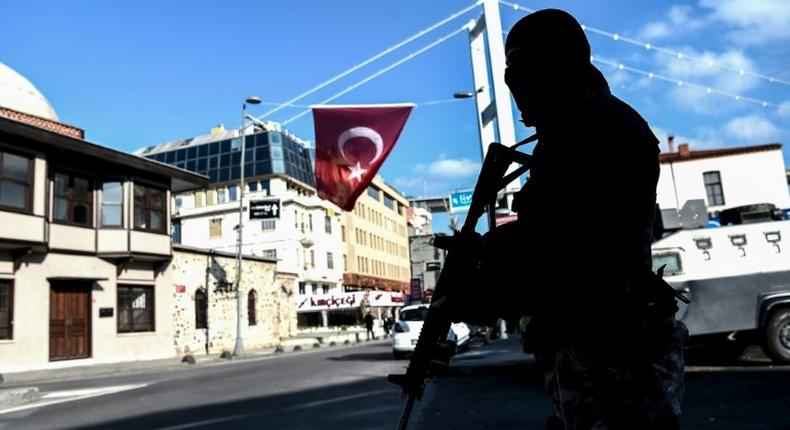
[{"x": 369, "y": 326}]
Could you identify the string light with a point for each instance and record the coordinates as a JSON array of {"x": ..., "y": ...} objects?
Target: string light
[
  {"x": 678, "y": 54},
  {"x": 678, "y": 82}
]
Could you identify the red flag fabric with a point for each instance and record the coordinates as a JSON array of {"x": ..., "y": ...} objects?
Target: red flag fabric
[{"x": 352, "y": 143}]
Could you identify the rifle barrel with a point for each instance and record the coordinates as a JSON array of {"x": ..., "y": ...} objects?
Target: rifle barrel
[
  {"x": 404, "y": 418},
  {"x": 437, "y": 321}
]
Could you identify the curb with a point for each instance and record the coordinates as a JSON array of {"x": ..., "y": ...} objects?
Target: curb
[
  {"x": 11, "y": 397},
  {"x": 174, "y": 364}
]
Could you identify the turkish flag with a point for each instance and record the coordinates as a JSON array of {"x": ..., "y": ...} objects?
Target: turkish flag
[{"x": 352, "y": 143}]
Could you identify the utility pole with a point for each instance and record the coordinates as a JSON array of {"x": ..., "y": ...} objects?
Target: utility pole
[
  {"x": 238, "y": 349},
  {"x": 492, "y": 96}
]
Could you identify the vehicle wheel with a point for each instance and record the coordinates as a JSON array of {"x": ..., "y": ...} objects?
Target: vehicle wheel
[
  {"x": 777, "y": 336},
  {"x": 398, "y": 355}
]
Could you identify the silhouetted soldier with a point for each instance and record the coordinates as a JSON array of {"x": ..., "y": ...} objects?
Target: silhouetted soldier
[{"x": 602, "y": 325}]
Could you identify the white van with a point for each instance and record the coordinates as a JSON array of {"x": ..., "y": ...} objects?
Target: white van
[{"x": 737, "y": 278}]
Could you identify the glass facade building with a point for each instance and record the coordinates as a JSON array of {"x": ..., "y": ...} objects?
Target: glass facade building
[{"x": 266, "y": 153}]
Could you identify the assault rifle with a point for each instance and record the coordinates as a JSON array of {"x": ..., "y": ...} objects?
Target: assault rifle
[{"x": 431, "y": 351}]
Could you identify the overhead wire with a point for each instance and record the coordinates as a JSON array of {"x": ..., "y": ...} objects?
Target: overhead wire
[
  {"x": 382, "y": 71},
  {"x": 379, "y": 55}
]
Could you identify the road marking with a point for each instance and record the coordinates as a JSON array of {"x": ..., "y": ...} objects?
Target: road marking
[{"x": 64, "y": 396}]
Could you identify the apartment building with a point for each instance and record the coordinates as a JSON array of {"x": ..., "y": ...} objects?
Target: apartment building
[{"x": 376, "y": 241}]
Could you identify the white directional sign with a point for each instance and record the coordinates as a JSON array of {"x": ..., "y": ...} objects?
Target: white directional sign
[
  {"x": 460, "y": 201},
  {"x": 264, "y": 209}
]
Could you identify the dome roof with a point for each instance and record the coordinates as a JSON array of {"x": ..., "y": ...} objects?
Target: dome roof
[{"x": 17, "y": 93}]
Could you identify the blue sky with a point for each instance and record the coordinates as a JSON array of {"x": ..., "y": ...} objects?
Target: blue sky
[{"x": 134, "y": 74}]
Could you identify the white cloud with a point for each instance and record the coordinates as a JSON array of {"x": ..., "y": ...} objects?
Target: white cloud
[
  {"x": 618, "y": 79},
  {"x": 753, "y": 129},
  {"x": 694, "y": 99},
  {"x": 752, "y": 22},
  {"x": 744, "y": 22},
  {"x": 449, "y": 168},
  {"x": 677, "y": 20},
  {"x": 655, "y": 30},
  {"x": 702, "y": 138},
  {"x": 439, "y": 176},
  {"x": 784, "y": 109},
  {"x": 738, "y": 131}
]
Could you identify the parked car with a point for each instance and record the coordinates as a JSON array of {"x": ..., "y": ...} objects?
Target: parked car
[{"x": 407, "y": 329}]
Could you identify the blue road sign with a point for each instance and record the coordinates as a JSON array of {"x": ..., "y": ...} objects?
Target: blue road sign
[{"x": 460, "y": 201}]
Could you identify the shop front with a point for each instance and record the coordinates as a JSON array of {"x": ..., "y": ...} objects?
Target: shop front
[{"x": 346, "y": 310}]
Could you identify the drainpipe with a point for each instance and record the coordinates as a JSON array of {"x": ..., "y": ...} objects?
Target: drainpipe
[{"x": 208, "y": 295}]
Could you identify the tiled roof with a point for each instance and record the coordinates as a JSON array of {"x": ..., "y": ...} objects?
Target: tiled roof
[
  {"x": 46, "y": 124},
  {"x": 681, "y": 155}
]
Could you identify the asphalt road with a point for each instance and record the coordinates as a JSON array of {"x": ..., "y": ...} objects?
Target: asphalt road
[
  {"x": 345, "y": 388},
  {"x": 341, "y": 388},
  {"x": 721, "y": 394}
]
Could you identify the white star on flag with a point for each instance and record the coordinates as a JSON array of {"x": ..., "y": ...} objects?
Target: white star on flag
[{"x": 356, "y": 172}]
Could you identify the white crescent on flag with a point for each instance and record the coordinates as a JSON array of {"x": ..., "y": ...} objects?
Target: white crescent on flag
[
  {"x": 372, "y": 135},
  {"x": 366, "y": 132}
]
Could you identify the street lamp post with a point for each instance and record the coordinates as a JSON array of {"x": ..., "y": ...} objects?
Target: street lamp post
[{"x": 238, "y": 349}]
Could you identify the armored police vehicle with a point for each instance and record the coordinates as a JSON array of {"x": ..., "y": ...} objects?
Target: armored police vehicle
[{"x": 737, "y": 276}]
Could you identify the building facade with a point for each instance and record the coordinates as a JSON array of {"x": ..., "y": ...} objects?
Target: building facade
[
  {"x": 724, "y": 178},
  {"x": 84, "y": 242},
  {"x": 376, "y": 241},
  {"x": 376, "y": 251},
  {"x": 284, "y": 220},
  {"x": 426, "y": 260}
]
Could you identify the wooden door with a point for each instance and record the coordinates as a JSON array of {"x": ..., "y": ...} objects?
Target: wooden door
[{"x": 69, "y": 320}]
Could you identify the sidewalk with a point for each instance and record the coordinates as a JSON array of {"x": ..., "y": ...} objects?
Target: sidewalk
[
  {"x": 498, "y": 386},
  {"x": 92, "y": 371},
  {"x": 494, "y": 386}
]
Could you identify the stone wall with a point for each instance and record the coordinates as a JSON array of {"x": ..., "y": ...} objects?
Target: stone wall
[{"x": 276, "y": 312}]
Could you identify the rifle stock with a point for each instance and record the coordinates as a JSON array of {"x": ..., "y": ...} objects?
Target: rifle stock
[{"x": 459, "y": 260}]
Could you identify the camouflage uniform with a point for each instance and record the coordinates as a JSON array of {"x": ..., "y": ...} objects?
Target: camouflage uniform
[{"x": 592, "y": 393}]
